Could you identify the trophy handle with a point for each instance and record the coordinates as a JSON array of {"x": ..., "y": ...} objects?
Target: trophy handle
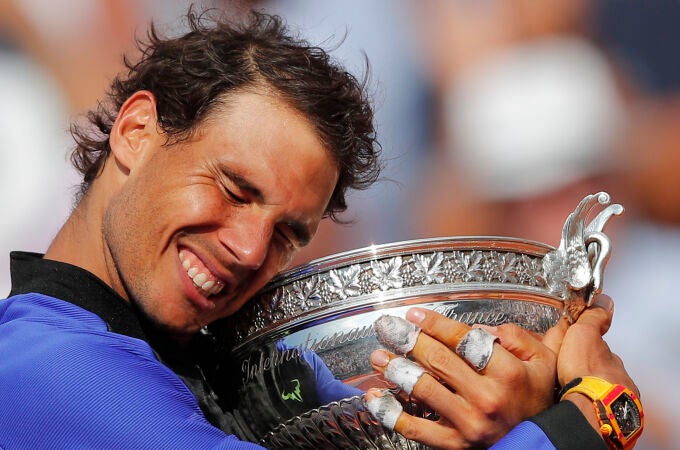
[
  {"x": 600, "y": 249},
  {"x": 575, "y": 270}
]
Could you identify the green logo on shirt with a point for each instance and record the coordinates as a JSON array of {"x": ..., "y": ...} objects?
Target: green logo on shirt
[{"x": 295, "y": 395}]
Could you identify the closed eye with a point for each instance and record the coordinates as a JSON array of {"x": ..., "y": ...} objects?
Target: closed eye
[
  {"x": 295, "y": 233},
  {"x": 235, "y": 198}
]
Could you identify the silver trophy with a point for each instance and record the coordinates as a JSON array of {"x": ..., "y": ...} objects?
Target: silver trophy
[{"x": 296, "y": 357}]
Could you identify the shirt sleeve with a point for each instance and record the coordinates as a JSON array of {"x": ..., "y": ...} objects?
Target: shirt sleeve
[
  {"x": 523, "y": 436},
  {"x": 95, "y": 389},
  {"x": 328, "y": 388},
  {"x": 562, "y": 427}
]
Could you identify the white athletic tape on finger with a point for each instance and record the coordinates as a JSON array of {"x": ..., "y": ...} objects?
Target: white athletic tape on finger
[
  {"x": 404, "y": 373},
  {"x": 396, "y": 334},
  {"x": 476, "y": 347},
  {"x": 384, "y": 406}
]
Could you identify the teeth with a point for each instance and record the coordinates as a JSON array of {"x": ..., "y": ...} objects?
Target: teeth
[
  {"x": 200, "y": 279},
  {"x": 217, "y": 288}
]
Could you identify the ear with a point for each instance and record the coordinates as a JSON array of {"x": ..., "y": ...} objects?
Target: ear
[{"x": 134, "y": 131}]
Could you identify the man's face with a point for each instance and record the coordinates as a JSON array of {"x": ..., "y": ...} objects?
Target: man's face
[{"x": 200, "y": 226}]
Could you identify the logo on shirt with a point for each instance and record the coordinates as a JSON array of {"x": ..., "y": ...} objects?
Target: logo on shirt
[{"x": 295, "y": 394}]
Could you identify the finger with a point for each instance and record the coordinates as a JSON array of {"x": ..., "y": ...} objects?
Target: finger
[
  {"x": 442, "y": 362},
  {"x": 396, "y": 334},
  {"x": 417, "y": 383},
  {"x": 518, "y": 341},
  {"x": 387, "y": 409},
  {"x": 599, "y": 315},
  {"x": 435, "y": 346},
  {"x": 432, "y": 434},
  {"x": 398, "y": 370},
  {"x": 555, "y": 335},
  {"x": 443, "y": 329},
  {"x": 606, "y": 303},
  {"x": 439, "y": 359}
]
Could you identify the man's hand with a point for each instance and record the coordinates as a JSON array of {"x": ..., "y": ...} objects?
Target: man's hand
[
  {"x": 584, "y": 352},
  {"x": 476, "y": 408}
]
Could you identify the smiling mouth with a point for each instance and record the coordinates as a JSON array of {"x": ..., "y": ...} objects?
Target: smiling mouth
[{"x": 208, "y": 284}]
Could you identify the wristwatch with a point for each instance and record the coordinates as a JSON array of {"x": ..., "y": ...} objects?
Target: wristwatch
[{"x": 618, "y": 409}]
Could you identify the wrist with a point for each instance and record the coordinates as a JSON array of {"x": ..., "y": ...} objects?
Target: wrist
[
  {"x": 585, "y": 405},
  {"x": 612, "y": 409}
]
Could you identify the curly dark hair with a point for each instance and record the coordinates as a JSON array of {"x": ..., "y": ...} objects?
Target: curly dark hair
[{"x": 191, "y": 74}]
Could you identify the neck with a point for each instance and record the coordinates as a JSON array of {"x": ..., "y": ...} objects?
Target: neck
[{"x": 80, "y": 240}]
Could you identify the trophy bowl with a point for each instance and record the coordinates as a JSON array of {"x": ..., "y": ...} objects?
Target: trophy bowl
[{"x": 295, "y": 360}]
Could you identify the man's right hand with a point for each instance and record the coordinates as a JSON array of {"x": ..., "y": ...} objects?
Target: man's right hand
[{"x": 583, "y": 351}]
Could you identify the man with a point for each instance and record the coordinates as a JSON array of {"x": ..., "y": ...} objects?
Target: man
[{"x": 215, "y": 159}]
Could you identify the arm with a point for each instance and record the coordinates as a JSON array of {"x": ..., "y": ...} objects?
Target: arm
[
  {"x": 87, "y": 387},
  {"x": 563, "y": 426}
]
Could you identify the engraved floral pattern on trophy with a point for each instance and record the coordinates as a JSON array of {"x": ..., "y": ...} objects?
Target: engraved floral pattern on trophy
[
  {"x": 398, "y": 273},
  {"x": 574, "y": 270}
]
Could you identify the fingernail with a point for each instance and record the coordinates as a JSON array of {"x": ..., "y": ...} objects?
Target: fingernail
[
  {"x": 605, "y": 302},
  {"x": 415, "y": 315},
  {"x": 380, "y": 358}
]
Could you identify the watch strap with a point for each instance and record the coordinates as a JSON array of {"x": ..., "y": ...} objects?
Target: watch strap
[
  {"x": 592, "y": 387},
  {"x": 603, "y": 393}
]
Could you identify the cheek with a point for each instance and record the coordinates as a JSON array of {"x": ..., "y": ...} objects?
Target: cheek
[
  {"x": 192, "y": 206},
  {"x": 287, "y": 258},
  {"x": 278, "y": 258}
]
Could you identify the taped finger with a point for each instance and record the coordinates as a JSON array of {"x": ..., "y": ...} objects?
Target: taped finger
[
  {"x": 384, "y": 406},
  {"x": 396, "y": 334},
  {"x": 404, "y": 373},
  {"x": 476, "y": 348}
]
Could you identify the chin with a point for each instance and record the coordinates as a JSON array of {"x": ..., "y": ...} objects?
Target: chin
[{"x": 180, "y": 329}]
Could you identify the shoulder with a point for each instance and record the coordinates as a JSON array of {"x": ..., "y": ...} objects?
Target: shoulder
[
  {"x": 64, "y": 352},
  {"x": 64, "y": 373}
]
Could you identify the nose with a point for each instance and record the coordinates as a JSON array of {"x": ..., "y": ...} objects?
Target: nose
[{"x": 248, "y": 238}]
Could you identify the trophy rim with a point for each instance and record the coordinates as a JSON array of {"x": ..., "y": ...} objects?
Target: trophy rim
[
  {"x": 421, "y": 245},
  {"x": 275, "y": 307}
]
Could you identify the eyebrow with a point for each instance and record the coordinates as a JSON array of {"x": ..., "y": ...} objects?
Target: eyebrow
[
  {"x": 243, "y": 184},
  {"x": 302, "y": 234}
]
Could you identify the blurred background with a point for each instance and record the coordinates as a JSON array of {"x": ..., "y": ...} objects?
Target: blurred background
[{"x": 495, "y": 116}]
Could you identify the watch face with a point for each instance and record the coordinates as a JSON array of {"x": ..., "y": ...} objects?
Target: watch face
[{"x": 627, "y": 414}]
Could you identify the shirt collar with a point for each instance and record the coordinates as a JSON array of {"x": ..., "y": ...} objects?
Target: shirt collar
[{"x": 31, "y": 272}]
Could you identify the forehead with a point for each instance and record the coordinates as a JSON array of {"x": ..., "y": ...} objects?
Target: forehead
[
  {"x": 258, "y": 114},
  {"x": 263, "y": 139}
]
